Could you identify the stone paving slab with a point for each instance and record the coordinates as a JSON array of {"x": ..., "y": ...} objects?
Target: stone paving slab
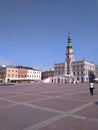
[
  {"x": 85, "y": 96},
  {"x": 91, "y": 111},
  {"x": 52, "y": 93},
  {"x": 58, "y": 104},
  {"x": 32, "y": 92},
  {"x": 70, "y": 123},
  {"x": 9, "y": 94},
  {"x": 4, "y": 103},
  {"x": 20, "y": 116},
  {"x": 48, "y": 107},
  {"x": 26, "y": 98}
]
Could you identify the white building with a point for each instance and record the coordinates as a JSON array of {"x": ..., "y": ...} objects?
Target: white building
[
  {"x": 96, "y": 74},
  {"x": 79, "y": 71},
  {"x": 33, "y": 74}
]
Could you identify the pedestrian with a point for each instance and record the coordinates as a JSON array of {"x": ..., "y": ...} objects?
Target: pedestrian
[{"x": 91, "y": 87}]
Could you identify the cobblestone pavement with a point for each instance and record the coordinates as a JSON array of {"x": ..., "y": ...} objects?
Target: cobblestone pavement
[{"x": 39, "y": 106}]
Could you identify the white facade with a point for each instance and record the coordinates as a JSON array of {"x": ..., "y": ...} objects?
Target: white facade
[
  {"x": 34, "y": 75},
  {"x": 59, "y": 79},
  {"x": 81, "y": 70},
  {"x": 96, "y": 71}
]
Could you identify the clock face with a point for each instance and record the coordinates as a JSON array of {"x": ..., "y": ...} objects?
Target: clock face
[{"x": 71, "y": 50}]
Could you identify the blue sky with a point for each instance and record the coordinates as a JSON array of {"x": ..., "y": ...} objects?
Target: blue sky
[{"x": 34, "y": 32}]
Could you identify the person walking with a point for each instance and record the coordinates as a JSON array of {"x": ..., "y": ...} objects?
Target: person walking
[{"x": 91, "y": 85}]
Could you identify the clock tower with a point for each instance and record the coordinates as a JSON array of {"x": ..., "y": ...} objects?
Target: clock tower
[{"x": 69, "y": 56}]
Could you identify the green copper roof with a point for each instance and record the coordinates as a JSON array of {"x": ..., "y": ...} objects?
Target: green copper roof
[{"x": 69, "y": 40}]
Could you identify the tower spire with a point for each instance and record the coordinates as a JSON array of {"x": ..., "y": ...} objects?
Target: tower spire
[{"x": 69, "y": 40}]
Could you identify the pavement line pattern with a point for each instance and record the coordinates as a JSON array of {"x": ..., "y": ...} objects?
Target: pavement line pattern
[
  {"x": 80, "y": 107},
  {"x": 7, "y": 100},
  {"x": 59, "y": 114},
  {"x": 46, "y": 122},
  {"x": 12, "y": 105},
  {"x": 43, "y": 108},
  {"x": 58, "y": 117},
  {"x": 70, "y": 98}
]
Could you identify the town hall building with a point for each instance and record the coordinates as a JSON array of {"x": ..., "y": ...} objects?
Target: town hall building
[{"x": 71, "y": 71}]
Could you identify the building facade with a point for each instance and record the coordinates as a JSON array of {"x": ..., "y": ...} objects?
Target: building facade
[
  {"x": 2, "y": 74},
  {"x": 22, "y": 73},
  {"x": 48, "y": 73},
  {"x": 96, "y": 74},
  {"x": 34, "y": 75},
  {"x": 19, "y": 74},
  {"x": 79, "y": 70},
  {"x": 59, "y": 68},
  {"x": 96, "y": 71},
  {"x": 11, "y": 73}
]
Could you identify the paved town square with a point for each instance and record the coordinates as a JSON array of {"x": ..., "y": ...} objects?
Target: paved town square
[{"x": 39, "y": 106}]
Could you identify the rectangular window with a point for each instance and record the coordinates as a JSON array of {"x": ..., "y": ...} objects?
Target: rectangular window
[
  {"x": 8, "y": 75},
  {"x": 82, "y": 72}
]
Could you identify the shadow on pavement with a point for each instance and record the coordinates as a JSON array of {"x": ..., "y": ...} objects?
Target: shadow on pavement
[{"x": 96, "y": 103}]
